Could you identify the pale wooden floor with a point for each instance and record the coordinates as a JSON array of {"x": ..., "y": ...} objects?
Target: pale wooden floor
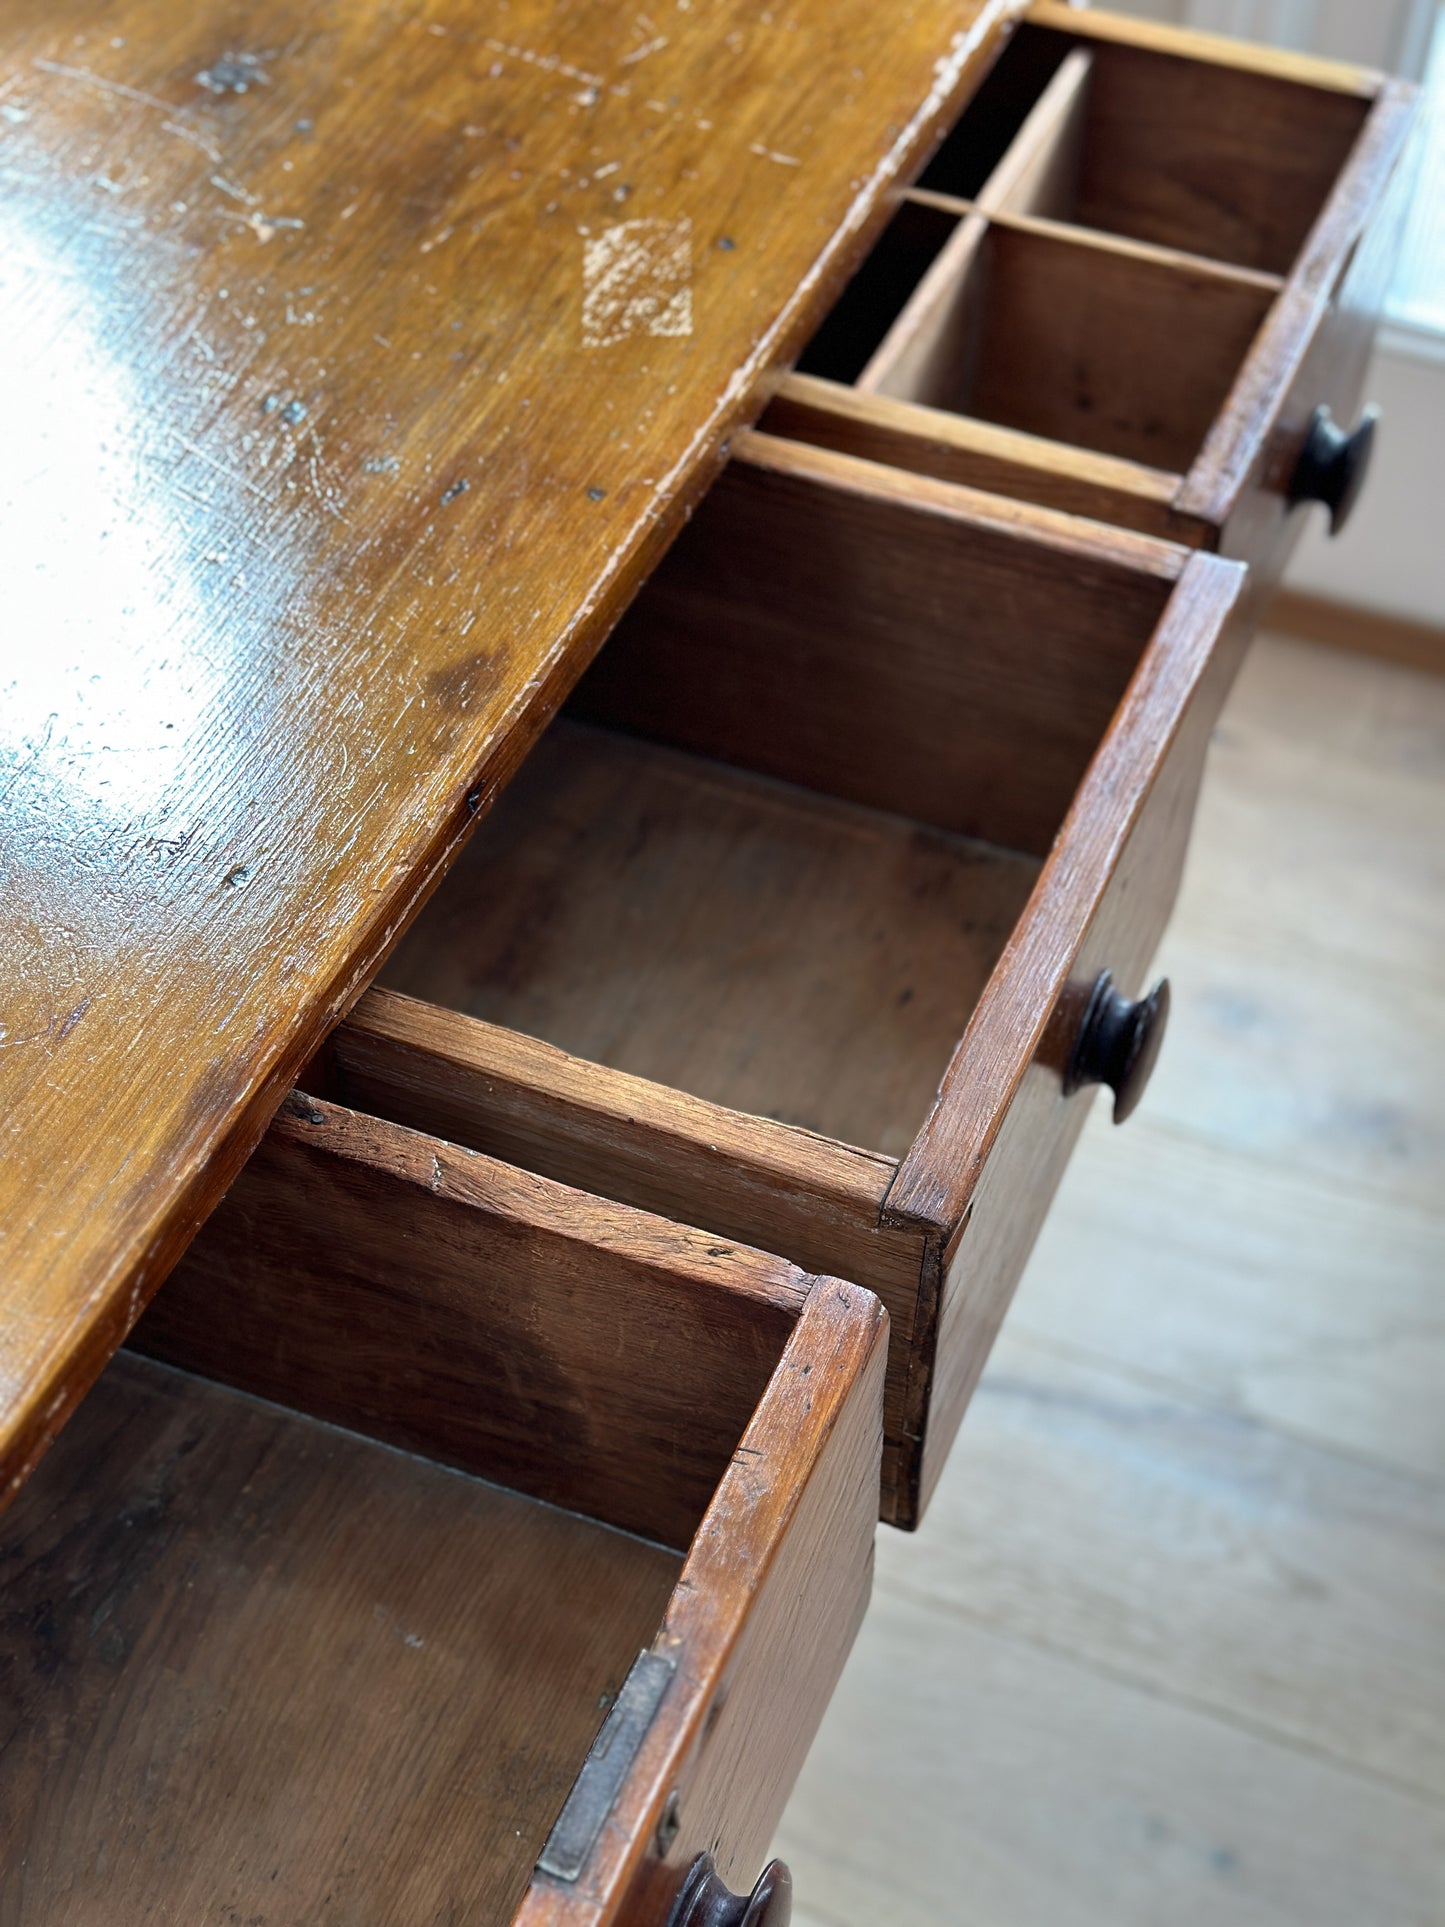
[{"x": 1170, "y": 1647}]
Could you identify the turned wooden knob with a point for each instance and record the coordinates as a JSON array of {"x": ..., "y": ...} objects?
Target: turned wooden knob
[
  {"x": 706, "y": 1902},
  {"x": 1118, "y": 1042},
  {"x": 1333, "y": 463}
]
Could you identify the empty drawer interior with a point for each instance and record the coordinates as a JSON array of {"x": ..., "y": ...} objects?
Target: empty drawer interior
[
  {"x": 775, "y": 848},
  {"x": 1090, "y": 259},
  {"x": 335, "y": 1634},
  {"x": 1164, "y": 147},
  {"x": 1047, "y": 333}
]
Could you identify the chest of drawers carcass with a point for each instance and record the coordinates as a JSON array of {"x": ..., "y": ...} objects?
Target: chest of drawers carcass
[{"x": 476, "y": 1522}]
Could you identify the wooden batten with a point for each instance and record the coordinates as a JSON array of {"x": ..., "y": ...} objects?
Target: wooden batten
[{"x": 976, "y": 454}]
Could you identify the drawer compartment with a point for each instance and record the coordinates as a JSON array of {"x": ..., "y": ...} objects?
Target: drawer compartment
[
  {"x": 806, "y": 894},
  {"x": 262, "y": 1664},
  {"x": 1131, "y": 277}
]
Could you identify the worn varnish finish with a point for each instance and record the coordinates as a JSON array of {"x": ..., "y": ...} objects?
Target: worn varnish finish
[
  {"x": 259, "y": 1664},
  {"x": 987, "y": 1162},
  {"x": 317, "y": 497}
]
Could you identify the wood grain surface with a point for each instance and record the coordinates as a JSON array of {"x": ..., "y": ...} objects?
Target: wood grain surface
[
  {"x": 429, "y": 1296},
  {"x": 1238, "y": 167},
  {"x": 1127, "y": 350},
  {"x": 1232, "y": 157},
  {"x": 986, "y": 1164},
  {"x": 258, "y": 1669},
  {"x": 345, "y": 408},
  {"x": 977, "y": 454}
]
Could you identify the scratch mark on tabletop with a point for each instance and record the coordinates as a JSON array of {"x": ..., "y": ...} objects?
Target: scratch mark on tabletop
[
  {"x": 182, "y": 132},
  {"x": 548, "y": 63},
  {"x": 236, "y": 193},
  {"x": 640, "y": 53},
  {"x": 234, "y": 74},
  {"x": 263, "y": 226},
  {"x": 771, "y": 154},
  {"x": 637, "y": 280},
  {"x": 221, "y": 468},
  {"x": 84, "y": 75}
]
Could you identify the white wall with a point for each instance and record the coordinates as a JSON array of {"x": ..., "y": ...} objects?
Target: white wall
[{"x": 1392, "y": 556}]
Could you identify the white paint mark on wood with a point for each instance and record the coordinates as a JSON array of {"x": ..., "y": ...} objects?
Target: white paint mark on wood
[
  {"x": 772, "y": 154},
  {"x": 640, "y": 53},
  {"x": 637, "y": 280},
  {"x": 549, "y": 63}
]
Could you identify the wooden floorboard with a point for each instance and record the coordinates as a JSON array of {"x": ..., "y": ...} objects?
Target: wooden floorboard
[{"x": 1171, "y": 1643}]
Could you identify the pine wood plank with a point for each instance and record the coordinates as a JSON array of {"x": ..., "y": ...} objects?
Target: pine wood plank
[
  {"x": 977, "y": 454},
  {"x": 335, "y": 447},
  {"x": 998, "y": 1139},
  {"x": 650, "y": 1145},
  {"x": 760, "y": 1624},
  {"x": 753, "y": 944},
  {"x": 1208, "y": 145},
  {"x": 887, "y": 638},
  {"x": 1085, "y": 342}
]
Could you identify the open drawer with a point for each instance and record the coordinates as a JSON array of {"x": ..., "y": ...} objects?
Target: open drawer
[
  {"x": 794, "y": 926},
  {"x": 1138, "y": 281},
  {"x": 261, "y": 1668}
]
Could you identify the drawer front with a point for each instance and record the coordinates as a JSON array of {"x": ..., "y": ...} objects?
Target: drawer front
[
  {"x": 986, "y": 1165},
  {"x": 287, "y": 1677}
]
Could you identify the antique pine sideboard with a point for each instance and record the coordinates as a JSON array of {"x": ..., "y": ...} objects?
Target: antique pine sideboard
[{"x": 612, "y": 622}]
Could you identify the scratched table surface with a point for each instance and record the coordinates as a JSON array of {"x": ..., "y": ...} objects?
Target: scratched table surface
[{"x": 358, "y": 360}]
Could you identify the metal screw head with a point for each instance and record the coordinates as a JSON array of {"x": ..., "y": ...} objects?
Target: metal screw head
[{"x": 668, "y": 1824}]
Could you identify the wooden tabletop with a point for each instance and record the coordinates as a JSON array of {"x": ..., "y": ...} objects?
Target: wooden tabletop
[{"x": 358, "y": 362}]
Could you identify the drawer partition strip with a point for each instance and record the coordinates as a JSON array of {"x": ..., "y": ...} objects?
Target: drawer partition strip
[{"x": 976, "y": 454}]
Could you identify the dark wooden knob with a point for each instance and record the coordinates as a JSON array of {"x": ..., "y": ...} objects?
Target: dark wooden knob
[
  {"x": 1118, "y": 1042},
  {"x": 1333, "y": 463},
  {"x": 706, "y": 1902}
]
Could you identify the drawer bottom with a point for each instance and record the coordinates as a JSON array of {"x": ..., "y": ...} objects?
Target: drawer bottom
[
  {"x": 759, "y": 945},
  {"x": 289, "y": 1643}
]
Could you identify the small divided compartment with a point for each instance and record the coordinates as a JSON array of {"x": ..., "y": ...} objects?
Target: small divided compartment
[
  {"x": 1138, "y": 281},
  {"x": 319, "y": 1607},
  {"x": 791, "y": 925}
]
